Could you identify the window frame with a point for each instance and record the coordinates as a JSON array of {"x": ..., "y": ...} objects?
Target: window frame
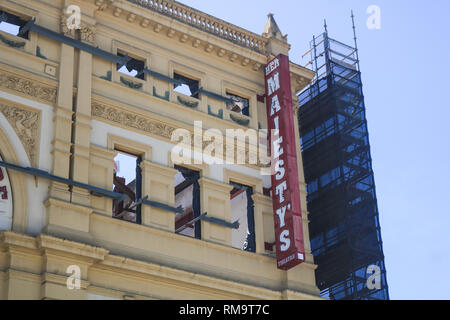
[
  {"x": 246, "y": 93},
  {"x": 119, "y": 47},
  {"x": 26, "y": 14}
]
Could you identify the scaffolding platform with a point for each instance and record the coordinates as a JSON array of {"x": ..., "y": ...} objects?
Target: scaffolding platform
[{"x": 344, "y": 229}]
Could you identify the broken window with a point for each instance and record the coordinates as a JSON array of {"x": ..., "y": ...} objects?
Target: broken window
[
  {"x": 238, "y": 104},
  {"x": 187, "y": 195},
  {"x": 12, "y": 24},
  {"x": 189, "y": 87},
  {"x": 133, "y": 68},
  {"x": 128, "y": 181},
  {"x": 242, "y": 210}
]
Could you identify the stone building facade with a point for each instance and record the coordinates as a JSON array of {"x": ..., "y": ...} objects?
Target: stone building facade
[{"x": 68, "y": 108}]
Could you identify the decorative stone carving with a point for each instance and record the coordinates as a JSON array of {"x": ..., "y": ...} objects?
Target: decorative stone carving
[
  {"x": 26, "y": 123},
  {"x": 209, "y": 48},
  {"x": 28, "y": 87},
  {"x": 84, "y": 33},
  {"x": 184, "y": 38},
  {"x": 11, "y": 43},
  {"x": 200, "y": 20},
  {"x": 131, "y": 120},
  {"x": 87, "y": 34}
]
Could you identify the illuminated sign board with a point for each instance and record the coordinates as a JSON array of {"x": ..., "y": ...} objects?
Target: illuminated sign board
[{"x": 290, "y": 248}]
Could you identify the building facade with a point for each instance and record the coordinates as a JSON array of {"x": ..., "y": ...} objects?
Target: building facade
[{"x": 93, "y": 204}]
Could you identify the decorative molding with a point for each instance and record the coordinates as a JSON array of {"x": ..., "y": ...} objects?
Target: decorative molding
[
  {"x": 11, "y": 43},
  {"x": 184, "y": 38},
  {"x": 218, "y": 115},
  {"x": 28, "y": 87},
  {"x": 238, "y": 120},
  {"x": 26, "y": 123},
  {"x": 87, "y": 34},
  {"x": 39, "y": 54},
  {"x": 131, "y": 120},
  {"x": 108, "y": 76},
  {"x": 84, "y": 33},
  {"x": 101, "y": 4},
  {"x": 210, "y": 25},
  {"x": 49, "y": 242},
  {"x": 165, "y": 97},
  {"x": 130, "y": 84},
  {"x": 189, "y": 104},
  {"x": 207, "y": 23},
  {"x": 144, "y": 124}
]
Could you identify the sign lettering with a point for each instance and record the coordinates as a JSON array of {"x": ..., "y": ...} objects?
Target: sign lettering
[{"x": 290, "y": 247}]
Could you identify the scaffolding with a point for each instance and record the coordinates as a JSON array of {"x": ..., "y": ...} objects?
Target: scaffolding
[{"x": 344, "y": 224}]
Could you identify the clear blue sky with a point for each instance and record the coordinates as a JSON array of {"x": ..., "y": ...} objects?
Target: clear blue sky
[{"x": 405, "y": 69}]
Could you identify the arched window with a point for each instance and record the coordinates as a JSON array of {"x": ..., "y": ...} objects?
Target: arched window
[{"x": 6, "y": 202}]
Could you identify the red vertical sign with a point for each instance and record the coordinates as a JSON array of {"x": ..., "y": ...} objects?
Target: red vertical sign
[{"x": 290, "y": 247}]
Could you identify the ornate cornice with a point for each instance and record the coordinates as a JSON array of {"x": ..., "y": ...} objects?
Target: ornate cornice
[
  {"x": 28, "y": 87},
  {"x": 144, "y": 124},
  {"x": 223, "y": 44},
  {"x": 88, "y": 251},
  {"x": 205, "y": 22},
  {"x": 131, "y": 120},
  {"x": 26, "y": 122}
]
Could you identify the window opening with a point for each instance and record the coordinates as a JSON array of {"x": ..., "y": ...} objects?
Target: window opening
[
  {"x": 242, "y": 210},
  {"x": 188, "y": 86},
  {"x": 133, "y": 68},
  {"x": 128, "y": 181},
  {"x": 238, "y": 104},
  {"x": 187, "y": 195},
  {"x": 12, "y": 24}
]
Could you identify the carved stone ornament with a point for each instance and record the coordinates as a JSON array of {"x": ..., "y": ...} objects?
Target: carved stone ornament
[
  {"x": 84, "y": 32},
  {"x": 133, "y": 120},
  {"x": 28, "y": 87},
  {"x": 26, "y": 123}
]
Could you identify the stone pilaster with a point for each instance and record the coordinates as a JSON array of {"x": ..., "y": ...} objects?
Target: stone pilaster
[
  {"x": 158, "y": 182},
  {"x": 263, "y": 205},
  {"x": 82, "y": 128},
  {"x": 63, "y": 123},
  {"x": 215, "y": 200},
  {"x": 101, "y": 173}
]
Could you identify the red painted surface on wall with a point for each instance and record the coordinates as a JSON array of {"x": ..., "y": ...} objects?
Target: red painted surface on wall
[{"x": 290, "y": 247}]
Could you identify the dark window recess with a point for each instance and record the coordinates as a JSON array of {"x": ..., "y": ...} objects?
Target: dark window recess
[
  {"x": 128, "y": 181},
  {"x": 189, "y": 87},
  {"x": 12, "y": 24},
  {"x": 187, "y": 195},
  {"x": 133, "y": 68},
  {"x": 238, "y": 104},
  {"x": 242, "y": 210}
]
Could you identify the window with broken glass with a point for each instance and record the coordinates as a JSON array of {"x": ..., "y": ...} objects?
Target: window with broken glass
[
  {"x": 133, "y": 68},
  {"x": 242, "y": 210},
  {"x": 12, "y": 24},
  {"x": 187, "y": 195},
  {"x": 238, "y": 104},
  {"x": 128, "y": 181},
  {"x": 187, "y": 86}
]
